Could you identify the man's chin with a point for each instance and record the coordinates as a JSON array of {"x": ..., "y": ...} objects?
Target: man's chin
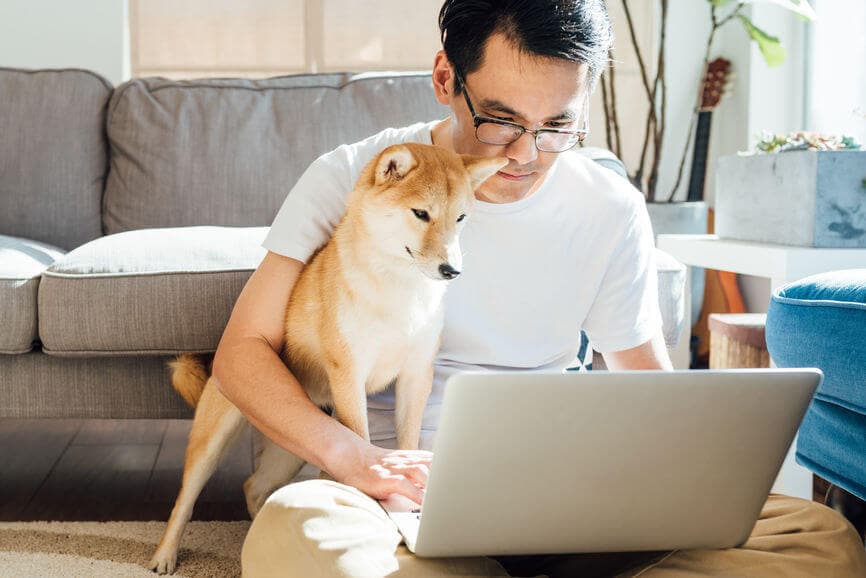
[
  {"x": 501, "y": 189},
  {"x": 514, "y": 189}
]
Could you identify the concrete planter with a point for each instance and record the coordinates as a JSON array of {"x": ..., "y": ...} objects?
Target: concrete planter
[
  {"x": 678, "y": 218},
  {"x": 803, "y": 198}
]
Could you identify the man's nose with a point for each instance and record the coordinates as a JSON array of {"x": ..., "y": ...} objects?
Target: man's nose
[
  {"x": 447, "y": 271},
  {"x": 523, "y": 150}
]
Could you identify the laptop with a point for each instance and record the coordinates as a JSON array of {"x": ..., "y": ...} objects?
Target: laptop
[{"x": 539, "y": 462}]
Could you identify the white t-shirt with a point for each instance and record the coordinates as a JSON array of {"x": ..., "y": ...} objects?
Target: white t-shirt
[{"x": 576, "y": 254}]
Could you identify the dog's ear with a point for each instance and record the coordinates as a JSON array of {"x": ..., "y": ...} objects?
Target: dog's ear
[
  {"x": 482, "y": 168},
  {"x": 394, "y": 163}
]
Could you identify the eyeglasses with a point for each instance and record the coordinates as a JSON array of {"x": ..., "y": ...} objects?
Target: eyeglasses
[{"x": 493, "y": 131}]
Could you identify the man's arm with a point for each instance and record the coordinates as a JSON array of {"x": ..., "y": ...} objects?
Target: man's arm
[
  {"x": 249, "y": 372},
  {"x": 650, "y": 355}
]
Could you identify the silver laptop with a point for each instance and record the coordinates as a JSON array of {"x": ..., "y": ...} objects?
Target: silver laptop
[{"x": 534, "y": 463}]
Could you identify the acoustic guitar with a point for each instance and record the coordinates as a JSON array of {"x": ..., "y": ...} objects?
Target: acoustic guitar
[{"x": 721, "y": 292}]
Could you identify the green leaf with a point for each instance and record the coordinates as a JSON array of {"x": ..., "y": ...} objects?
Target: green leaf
[
  {"x": 800, "y": 7},
  {"x": 720, "y": 3},
  {"x": 771, "y": 48}
]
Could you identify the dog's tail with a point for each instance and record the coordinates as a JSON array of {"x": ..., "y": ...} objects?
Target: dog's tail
[{"x": 189, "y": 375}]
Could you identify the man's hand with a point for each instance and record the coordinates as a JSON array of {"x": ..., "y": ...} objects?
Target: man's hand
[{"x": 380, "y": 472}]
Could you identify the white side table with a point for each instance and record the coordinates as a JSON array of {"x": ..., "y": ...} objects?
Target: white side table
[{"x": 782, "y": 264}]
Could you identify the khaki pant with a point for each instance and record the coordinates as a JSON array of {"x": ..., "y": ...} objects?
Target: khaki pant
[{"x": 323, "y": 528}]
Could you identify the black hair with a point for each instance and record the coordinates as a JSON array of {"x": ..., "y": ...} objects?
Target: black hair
[{"x": 575, "y": 30}]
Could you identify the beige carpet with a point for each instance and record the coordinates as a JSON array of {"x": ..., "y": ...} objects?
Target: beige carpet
[{"x": 67, "y": 549}]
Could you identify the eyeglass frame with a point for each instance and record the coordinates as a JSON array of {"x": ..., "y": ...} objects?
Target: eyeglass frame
[{"x": 478, "y": 119}]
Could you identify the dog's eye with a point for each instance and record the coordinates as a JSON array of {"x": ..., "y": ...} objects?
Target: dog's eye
[
  {"x": 461, "y": 217},
  {"x": 423, "y": 215}
]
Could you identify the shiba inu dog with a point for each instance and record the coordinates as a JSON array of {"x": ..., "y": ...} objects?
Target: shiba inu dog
[{"x": 366, "y": 310}]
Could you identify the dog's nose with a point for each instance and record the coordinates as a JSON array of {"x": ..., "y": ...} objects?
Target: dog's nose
[{"x": 447, "y": 271}]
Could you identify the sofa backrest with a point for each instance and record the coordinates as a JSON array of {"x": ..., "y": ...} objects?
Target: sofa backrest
[
  {"x": 78, "y": 160},
  {"x": 228, "y": 151},
  {"x": 53, "y": 154}
]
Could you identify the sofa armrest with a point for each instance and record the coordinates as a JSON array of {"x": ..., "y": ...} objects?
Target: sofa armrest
[{"x": 671, "y": 288}]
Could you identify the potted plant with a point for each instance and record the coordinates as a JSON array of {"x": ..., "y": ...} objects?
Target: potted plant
[{"x": 801, "y": 189}]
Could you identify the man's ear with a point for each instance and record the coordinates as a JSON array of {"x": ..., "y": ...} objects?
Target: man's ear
[
  {"x": 394, "y": 163},
  {"x": 482, "y": 168},
  {"x": 443, "y": 78}
]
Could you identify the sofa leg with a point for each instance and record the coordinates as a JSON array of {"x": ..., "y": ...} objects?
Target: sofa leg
[{"x": 849, "y": 505}]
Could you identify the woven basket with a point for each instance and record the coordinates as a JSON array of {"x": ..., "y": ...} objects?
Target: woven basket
[{"x": 737, "y": 340}]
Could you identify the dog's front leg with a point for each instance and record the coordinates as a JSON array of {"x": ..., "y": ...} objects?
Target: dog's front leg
[
  {"x": 412, "y": 390},
  {"x": 349, "y": 393}
]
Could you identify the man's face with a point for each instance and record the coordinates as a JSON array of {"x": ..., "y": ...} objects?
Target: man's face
[{"x": 528, "y": 90}]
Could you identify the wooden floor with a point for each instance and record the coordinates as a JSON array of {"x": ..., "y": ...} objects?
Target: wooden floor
[
  {"x": 100, "y": 470},
  {"x": 103, "y": 470}
]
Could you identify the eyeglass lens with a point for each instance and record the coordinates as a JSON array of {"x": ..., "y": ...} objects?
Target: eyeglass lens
[{"x": 501, "y": 134}]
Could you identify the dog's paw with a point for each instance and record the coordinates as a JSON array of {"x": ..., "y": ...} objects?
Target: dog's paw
[
  {"x": 163, "y": 563},
  {"x": 256, "y": 499},
  {"x": 254, "y": 496},
  {"x": 255, "y": 503}
]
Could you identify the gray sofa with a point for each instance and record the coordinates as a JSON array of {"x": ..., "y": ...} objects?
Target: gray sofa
[{"x": 131, "y": 217}]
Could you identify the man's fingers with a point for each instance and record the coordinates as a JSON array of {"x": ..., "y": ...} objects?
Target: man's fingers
[
  {"x": 416, "y": 472},
  {"x": 403, "y": 472},
  {"x": 406, "y": 488}
]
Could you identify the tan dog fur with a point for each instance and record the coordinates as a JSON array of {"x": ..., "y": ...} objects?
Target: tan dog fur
[{"x": 366, "y": 309}]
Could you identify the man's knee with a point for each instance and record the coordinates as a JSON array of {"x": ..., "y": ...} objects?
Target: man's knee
[
  {"x": 827, "y": 520},
  {"x": 824, "y": 533},
  {"x": 805, "y": 515},
  {"x": 316, "y": 493},
  {"x": 316, "y": 524}
]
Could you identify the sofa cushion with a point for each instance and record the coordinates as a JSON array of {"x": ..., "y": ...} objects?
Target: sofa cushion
[
  {"x": 22, "y": 261},
  {"x": 832, "y": 443},
  {"x": 227, "y": 151},
  {"x": 671, "y": 287},
  {"x": 604, "y": 157},
  {"x": 820, "y": 321},
  {"x": 53, "y": 154},
  {"x": 149, "y": 292},
  {"x": 161, "y": 291}
]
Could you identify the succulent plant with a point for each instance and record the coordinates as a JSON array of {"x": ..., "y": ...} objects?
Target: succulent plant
[{"x": 804, "y": 140}]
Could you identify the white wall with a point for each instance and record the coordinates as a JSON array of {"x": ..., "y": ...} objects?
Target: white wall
[
  {"x": 90, "y": 34},
  {"x": 630, "y": 93},
  {"x": 836, "y": 81}
]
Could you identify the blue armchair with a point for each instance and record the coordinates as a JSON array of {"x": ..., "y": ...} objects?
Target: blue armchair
[{"x": 820, "y": 321}]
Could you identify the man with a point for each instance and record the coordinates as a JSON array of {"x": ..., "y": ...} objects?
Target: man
[{"x": 555, "y": 243}]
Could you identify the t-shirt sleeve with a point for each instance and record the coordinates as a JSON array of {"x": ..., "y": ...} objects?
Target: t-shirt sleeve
[
  {"x": 626, "y": 311},
  {"x": 311, "y": 210}
]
